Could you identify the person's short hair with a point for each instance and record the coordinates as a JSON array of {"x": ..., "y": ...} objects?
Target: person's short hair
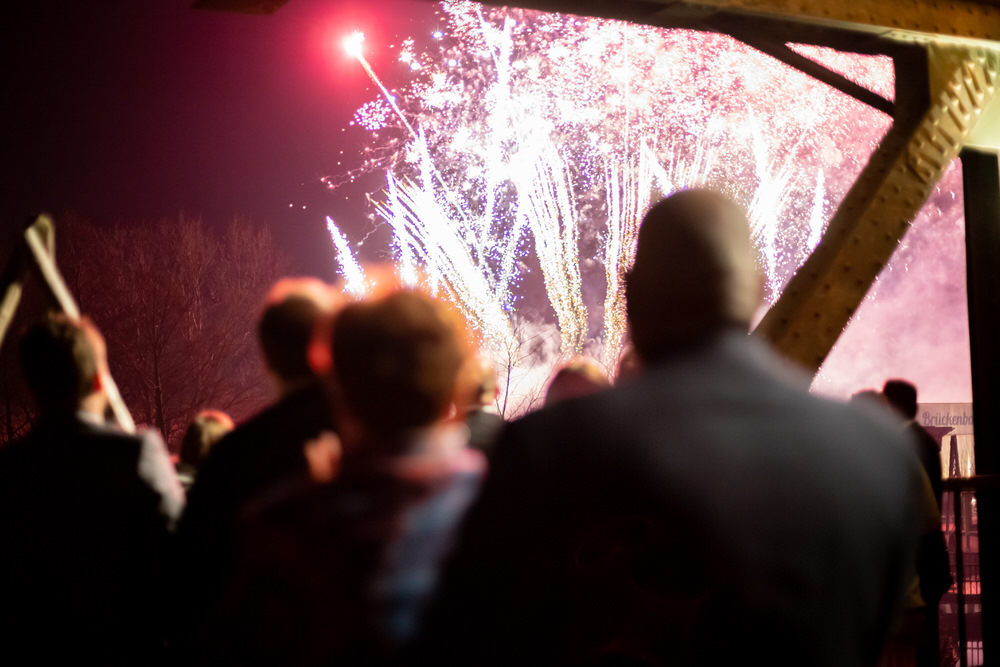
[
  {"x": 902, "y": 395},
  {"x": 206, "y": 429},
  {"x": 60, "y": 359},
  {"x": 574, "y": 379},
  {"x": 285, "y": 329},
  {"x": 694, "y": 273},
  {"x": 396, "y": 361}
]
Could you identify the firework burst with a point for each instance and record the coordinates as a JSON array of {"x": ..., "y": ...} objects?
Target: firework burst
[{"x": 528, "y": 143}]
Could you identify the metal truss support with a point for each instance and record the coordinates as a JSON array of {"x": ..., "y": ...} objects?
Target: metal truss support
[
  {"x": 749, "y": 32},
  {"x": 975, "y": 19},
  {"x": 978, "y": 19},
  {"x": 926, "y": 136},
  {"x": 949, "y": 19}
]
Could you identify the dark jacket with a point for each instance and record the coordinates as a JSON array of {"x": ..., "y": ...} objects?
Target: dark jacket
[
  {"x": 341, "y": 573},
  {"x": 264, "y": 451},
  {"x": 709, "y": 512},
  {"x": 83, "y": 524}
]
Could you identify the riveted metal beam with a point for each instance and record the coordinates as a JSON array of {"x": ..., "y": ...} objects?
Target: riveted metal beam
[
  {"x": 822, "y": 296},
  {"x": 765, "y": 36},
  {"x": 954, "y": 18},
  {"x": 962, "y": 19},
  {"x": 957, "y": 19}
]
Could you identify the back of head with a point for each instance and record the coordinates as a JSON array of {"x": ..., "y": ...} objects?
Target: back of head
[
  {"x": 286, "y": 326},
  {"x": 60, "y": 360},
  {"x": 694, "y": 273},
  {"x": 902, "y": 395},
  {"x": 206, "y": 429},
  {"x": 580, "y": 377},
  {"x": 396, "y": 361},
  {"x": 629, "y": 366}
]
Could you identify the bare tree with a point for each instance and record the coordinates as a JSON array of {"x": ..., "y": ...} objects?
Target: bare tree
[
  {"x": 178, "y": 306},
  {"x": 524, "y": 355},
  {"x": 15, "y": 408}
]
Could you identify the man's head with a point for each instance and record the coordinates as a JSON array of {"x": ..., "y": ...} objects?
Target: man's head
[
  {"x": 285, "y": 330},
  {"x": 902, "y": 395},
  {"x": 694, "y": 273},
  {"x": 629, "y": 365},
  {"x": 63, "y": 361},
  {"x": 396, "y": 361}
]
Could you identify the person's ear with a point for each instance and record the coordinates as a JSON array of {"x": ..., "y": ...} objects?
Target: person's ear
[
  {"x": 324, "y": 455},
  {"x": 98, "y": 384}
]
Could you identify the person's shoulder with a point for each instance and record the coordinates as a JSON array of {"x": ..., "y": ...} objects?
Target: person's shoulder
[
  {"x": 300, "y": 414},
  {"x": 864, "y": 448},
  {"x": 222, "y": 463},
  {"x": 260, "y": 427},
  {"x": 230, "y": 442},
  {"x": 308, "y": 408},
  {"x": 79, "y": 433},
  {"x": 74, "y": 449},
  {"x": 615, "y": 409},
  {"x": 861, "y": 421},
  {"x": 569, "y": 428},
  {"x": 13, "y": 453},
  {"x": 253, "y": 424},
  {"x": 111, "y": 440}
]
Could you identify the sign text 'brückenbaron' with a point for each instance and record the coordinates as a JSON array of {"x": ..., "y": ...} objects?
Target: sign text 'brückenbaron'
[{"x": 930, "y": 419}]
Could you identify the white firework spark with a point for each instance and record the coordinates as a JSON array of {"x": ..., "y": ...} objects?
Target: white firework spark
[
  {"x": 352, "y": 273},
  {"x": 535, "y": 142}
]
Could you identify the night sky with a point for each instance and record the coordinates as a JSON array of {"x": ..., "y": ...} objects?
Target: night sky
[{"x": 133, "y": 110}]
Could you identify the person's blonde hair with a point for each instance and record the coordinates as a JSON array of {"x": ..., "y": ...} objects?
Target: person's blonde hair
[{"x": 206, "y": 429}]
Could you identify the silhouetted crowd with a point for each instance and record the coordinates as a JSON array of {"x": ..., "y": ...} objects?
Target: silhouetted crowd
[{"x": 704, "y": 510}]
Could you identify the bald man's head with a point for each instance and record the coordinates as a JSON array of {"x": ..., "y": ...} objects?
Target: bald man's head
[{"x": 694, "y": 273}]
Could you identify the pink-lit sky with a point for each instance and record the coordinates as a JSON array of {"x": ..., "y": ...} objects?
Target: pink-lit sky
[
  {"x": 914, "y": 323},
  {"x": 126, "y": 110},
  {"x": 130, "y": 110}
]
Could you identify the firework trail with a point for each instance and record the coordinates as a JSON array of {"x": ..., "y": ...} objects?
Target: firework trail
[
  {"x": 350, "y": 270},
  {"x": 423, "y": 230},
  {"x": 547, "y": 206},
  {"x": 817, "y": 221},
  {"x": 629, "y": 192},
  {"x": 535, "y": 142},
  {"x": 353, "y": 46}
]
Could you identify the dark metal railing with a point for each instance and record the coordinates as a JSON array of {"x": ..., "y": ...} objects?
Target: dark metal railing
[{"x": 960, "y": 612}]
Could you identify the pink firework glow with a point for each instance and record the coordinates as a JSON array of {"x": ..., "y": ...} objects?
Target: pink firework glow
[{"x": 524, "y": 148}]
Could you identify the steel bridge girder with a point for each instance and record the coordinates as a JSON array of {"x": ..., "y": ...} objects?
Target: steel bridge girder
[{"x": 823, "y": 295}]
